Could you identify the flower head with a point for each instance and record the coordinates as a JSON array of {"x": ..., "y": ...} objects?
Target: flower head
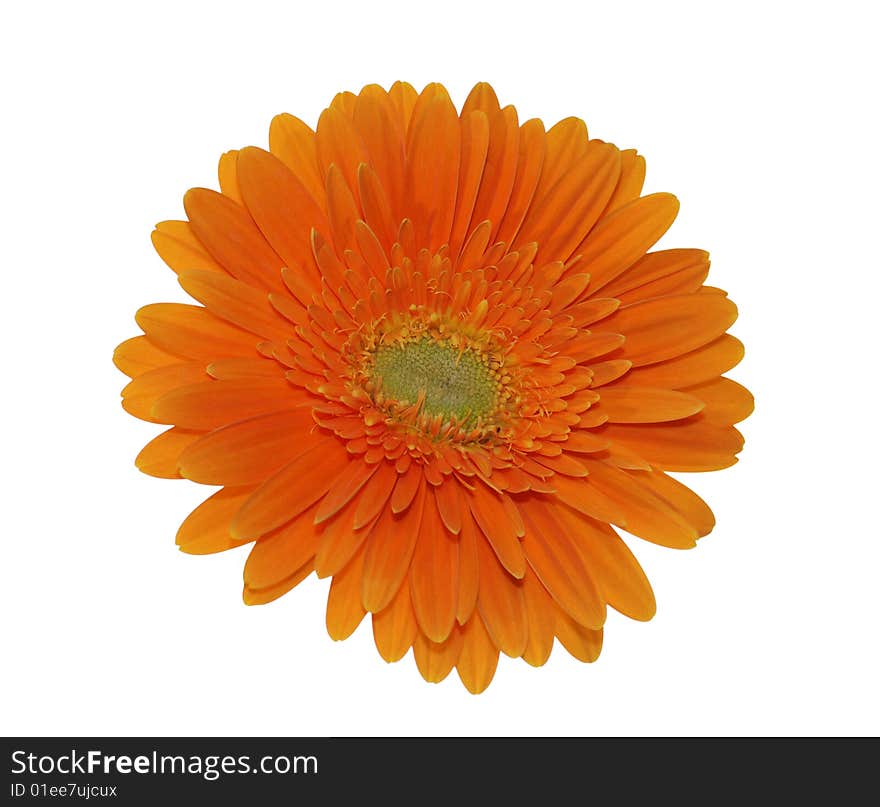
[{"x": 434, "y": 360}]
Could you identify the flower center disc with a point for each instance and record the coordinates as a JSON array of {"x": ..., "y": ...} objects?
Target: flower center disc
[{"x": 455, "y": 383}]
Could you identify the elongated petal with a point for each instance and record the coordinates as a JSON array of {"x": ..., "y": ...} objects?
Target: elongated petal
[
  {"x": 560, "y": 567},
  {"x": 432, "y": 172},
  {"x": 583, "y": 643},
  {"x": 281, "y": 206},
  {"x": 291, "y": 490},
  {"x": 666, "y": 327},
  {"x": 389, "y": 552},
  {"x": 434, "y": 575},
  {"x": 647, "y": 405},
  {"x": 688, "y": 445},
  {"x": 139, "y": 396},
  {"x": 293, "y": 142},
  {"x": 395, "y": 626},
  {"x": 726, "y": 401},
  {"x": 211, "y": 404},
  {"x": 178, "y": 246},
  {"x": 207, "y": 528},
  {"x": 436, "y": 660},
  {"x": 237, "y": 303},
  {"x": 494, "y": 522},
  {"x": 344, "y": 608},
  {"x": 276, "y": 556},
  {"x": 478, "y": 657},
  {"x": 500, "y": 604},
  {"x": 619, "y": 578},
  {"x": 619, "y": 240},
  {"x": 139, "y": 355},
  {"x": 645, "y": 514},
  {"x": 250, "y": 450},
  {"x": 695, "y": 367},
  {"x": 160, "y": 456},
  {"x": 541, "y": 615},
  {"x": 232, "y": 239},
  {"x": 193, "y": 332}
]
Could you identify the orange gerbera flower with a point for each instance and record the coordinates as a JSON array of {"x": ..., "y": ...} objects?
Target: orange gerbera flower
[{"x": 434, "y": 362}]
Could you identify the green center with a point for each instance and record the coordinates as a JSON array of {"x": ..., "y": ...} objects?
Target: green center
[{"x": 455, "y": 382}]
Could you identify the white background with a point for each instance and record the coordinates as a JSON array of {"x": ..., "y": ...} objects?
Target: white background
[{"x": 760, "y": 117}]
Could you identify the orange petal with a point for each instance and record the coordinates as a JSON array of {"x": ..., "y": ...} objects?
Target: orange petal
[
  {"x": 178, "y": 246},
  {"x": 449, "y": 504},
  {"x": 261, "y": 596},
  {"x": 584, "y": 644},
  {"x": 726, "y": 401},
  {"x": 566, "y": 144},
  {"x": 193, "y": 332},
  {"x": 389, "y": 552},
  {"x": 589, "y": 500},
  {"x": 619, "y": 578},
  {"x": 236, "y": 302},
  {"x": 250, "y": 450},
  {"x": 541, "y": 617},
  {"x": 494, "y": 522},
  {"x": 342, "y": 211},
  {"x": 500, "y": 170},
  {"x": 243, "y": 367},
  {"x": 290, "y": 491},
  {"x": 139, "y": 355},
  {"x": 346, "y": 486},
  {"x": 344, "y": 609},
  {"x": 500, "y": 604},
  {"x": 474, "y": 147},
  {"x": 340, "y": 541},
  {"x": 274, "y": 557},
  {"x": 283, "y": 209},
  {"x": 227, "y": 175},
  {"x": 339, "y": 144},
  {"x": 532, "y": 148},
  {"x": 211, "y": 404},
  {"x": 376, "y": 206},
  {"x": 468, "y": 568},
  {"x": 666, "y": 327},
  {"x": 293, "y": 142},
  {"x": 620, "y": 239},
  {"x": 478, "y": 658},
  {"x": 680, "y": 498},
  {"x": 206, "y": 529},
  {"x": 159, "y": 457},
  {"x": 436, "y": 660},
  {"x": 232, "y": 239},
  {"x": 695, "y": 367},
  {"x": 629, "y": 185},
  {"x": 583, "y": 441},
  {"x": 571, "y": 208},
  {"x": 689, "y": 445},
  {"x": 376, "y": 122},
  {"x": 647, "y": 405},
  {"x": 607, "y": 371},
  {"x": 645, "y": 514},
  {"x": 395, "y": 627},
  {"x": 434, "y": 575},
  {"x": 405, "y": 488},
  {"x": 482, "y": 97},
  {"x": 656, "y": 266},
  {"x": 375, "y": 494},
  {"x": 140, "y": 394},
  {"x": 432, "y": 172},
  {"x": 559, "y": 567}
]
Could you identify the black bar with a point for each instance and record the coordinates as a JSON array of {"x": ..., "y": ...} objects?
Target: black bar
[{"x": 123, "y": 771}]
